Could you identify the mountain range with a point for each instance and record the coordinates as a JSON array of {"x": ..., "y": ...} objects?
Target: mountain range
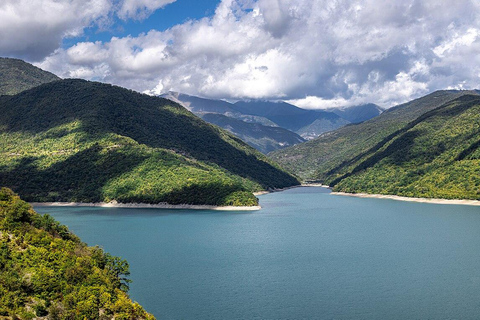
[{"x": 299, "y": 124}]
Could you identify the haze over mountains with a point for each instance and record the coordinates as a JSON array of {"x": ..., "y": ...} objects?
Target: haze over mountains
[{"x": 298, "y": 124}]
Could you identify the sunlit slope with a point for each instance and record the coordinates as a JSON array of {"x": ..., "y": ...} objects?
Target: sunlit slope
[
  {"x": 74, "y": 140},
  {"x": 317, "y": 159},
  {"x": 435, "y": 156},
  {"x": 46, "y": 272}
]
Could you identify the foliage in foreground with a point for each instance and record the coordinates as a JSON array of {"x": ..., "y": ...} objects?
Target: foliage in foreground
[{"x": 46, "y": 271}]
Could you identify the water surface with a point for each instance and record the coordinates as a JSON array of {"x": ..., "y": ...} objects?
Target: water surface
[{"x": 306, "y": 255}]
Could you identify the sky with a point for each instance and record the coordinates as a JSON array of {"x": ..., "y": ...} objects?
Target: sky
[{"x": 312, "y": 53}]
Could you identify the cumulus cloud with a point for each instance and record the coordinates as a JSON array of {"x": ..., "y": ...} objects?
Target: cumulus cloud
[
  {"x": 313, "y": 53},
  {"x": 140, "y": 9},
  {"x": 34, "y": 29}
]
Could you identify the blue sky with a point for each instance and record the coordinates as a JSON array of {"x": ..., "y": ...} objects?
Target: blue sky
[
  {"x": 314, "y": 54},
  {"x": 175, "y": 13}
]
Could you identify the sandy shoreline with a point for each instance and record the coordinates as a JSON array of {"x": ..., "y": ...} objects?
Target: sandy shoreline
[
  {"x": 144, "y": 205},
  {"x": 411, "y": 199}
]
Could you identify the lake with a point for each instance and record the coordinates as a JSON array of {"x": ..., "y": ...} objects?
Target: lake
[{"x": 307, "y": 254}]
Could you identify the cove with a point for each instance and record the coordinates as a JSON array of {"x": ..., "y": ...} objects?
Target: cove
[{"x": 306, "y": 255}]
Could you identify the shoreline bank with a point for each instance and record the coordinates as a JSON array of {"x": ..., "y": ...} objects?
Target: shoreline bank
[
  {"x": 144, "y": 206},
  {"x": 292, "y": 187},
  {"x": 410, "y": 199}
]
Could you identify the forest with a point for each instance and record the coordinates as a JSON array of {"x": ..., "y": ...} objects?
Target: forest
[{"x": 45, "y": 270}]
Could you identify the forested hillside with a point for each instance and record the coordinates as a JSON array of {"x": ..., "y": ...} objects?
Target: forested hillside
[
  {"x": 17, "y": 75},
  {"x": 316, "y": 159},
  {"x": 434, "y": 156},
  {"x": 46, "y": 272},
  {"x": 74, "y": 140}
]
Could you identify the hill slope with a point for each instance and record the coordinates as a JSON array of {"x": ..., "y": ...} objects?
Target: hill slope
[
  {"x": 17, "y": 75},
  {"x": 317, "y": 159},
  {"x": 74, "y": 140},
  {"x": 262, "y": 138},
  {"x": 255, "y": 130},
  {"x": 360, "y": 113},
  {"x": 47, "y": 271},
  {"x": 434, "y": 156}
]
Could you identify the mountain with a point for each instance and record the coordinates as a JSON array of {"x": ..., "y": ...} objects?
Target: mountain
[
  {"x": 257, "y": 131},
  {"x": 263, "y": 138},
  {"x": 81, "y": 141},
  {"x": 46, "y": 272},
  {"x": 435, "y": 156},
  {"x": 17, "y": 75},
  {"x": 357, "y": 114},
  {"x": 322, "y": 159},
  {"x": 288, "y": 116}
]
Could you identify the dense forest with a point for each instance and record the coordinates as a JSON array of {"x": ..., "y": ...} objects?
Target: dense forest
[
  {"x": 314, "y": 160},
  {"x": 435, "y": 156},
  {"x": 46, "y": 271},
  {"x": 75, "y": 140}
]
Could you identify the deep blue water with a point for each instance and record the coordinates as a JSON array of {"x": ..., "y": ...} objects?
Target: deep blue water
[{"x": 306, "y": 255}]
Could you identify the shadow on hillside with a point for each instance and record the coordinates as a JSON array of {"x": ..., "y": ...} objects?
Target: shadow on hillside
[
  {"x": 152, "y": 121},
  {"x": 79, "y": 178}
]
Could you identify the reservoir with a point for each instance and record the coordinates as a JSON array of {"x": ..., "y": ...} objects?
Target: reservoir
[{"x": 307, "y": 254}]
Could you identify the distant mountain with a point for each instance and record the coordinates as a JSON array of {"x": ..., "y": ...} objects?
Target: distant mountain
[
  {"x": 435, "y": 156},
  {"x": 74, "y": 140},
  {"x": 324, "y": 158},
  {"x": 263, "y": 138},
  {"x": 17, "y": 75},
  {"x": 257, "y": 131},
  {"x": 357, "y": 114}
]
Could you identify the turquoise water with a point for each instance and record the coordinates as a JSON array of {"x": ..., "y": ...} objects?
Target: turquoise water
[{"x": 306, "y": 255}]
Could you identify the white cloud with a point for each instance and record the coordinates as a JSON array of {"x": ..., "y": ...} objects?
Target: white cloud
[
  {"x": 316, "y": 53},
  {"x": 140, "y": 9},
  {"x": 33, "y": 29}
]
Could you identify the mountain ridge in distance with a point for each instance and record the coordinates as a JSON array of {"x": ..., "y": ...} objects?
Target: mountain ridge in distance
[{"x": 17, "y": 75}]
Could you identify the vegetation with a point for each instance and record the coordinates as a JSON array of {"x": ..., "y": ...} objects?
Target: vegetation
[
  {"x": 435, "y": 156},
  {"x": 17, "y": 76},
  {"x": 329, "y": 154},
  {"x": 74, "y": 140},
  {"x": 262, "y": 138},
  {"x": 46, "y": 271}
]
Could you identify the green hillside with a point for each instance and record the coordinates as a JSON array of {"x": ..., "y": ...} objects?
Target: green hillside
[
  {"x": 262, "y": 138},
  {"x": 74, "y": 140},
  {"x": 434, "y": 156},
  {"x": 17, "y": 75},
  {"x": 327, "y": 155},
  {"x": 46, "y": 271}
]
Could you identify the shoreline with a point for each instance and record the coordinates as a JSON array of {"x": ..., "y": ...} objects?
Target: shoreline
[
  {"x": 259, "y": 193},
  {"x": 410, "y": 199},
  {"x": 144, "y": 206}
]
